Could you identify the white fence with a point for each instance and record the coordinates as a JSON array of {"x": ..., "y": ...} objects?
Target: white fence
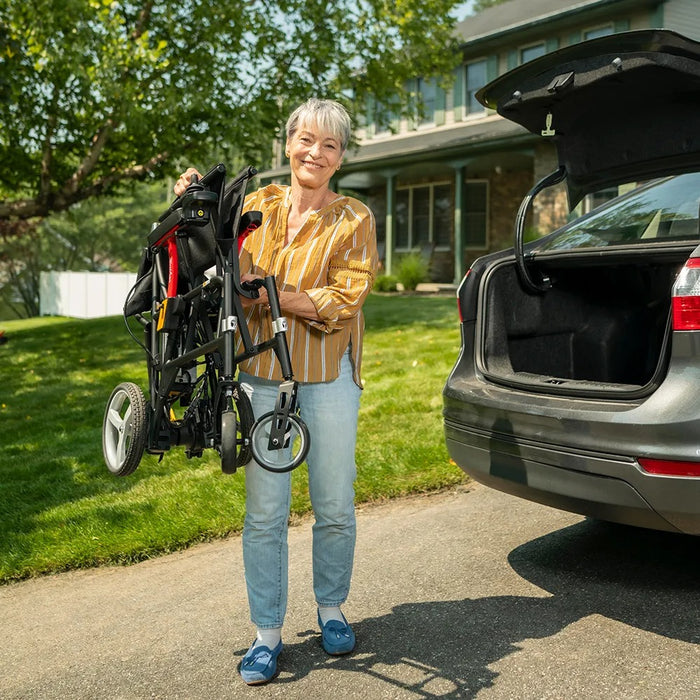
[{"x": 84, "y": 294}]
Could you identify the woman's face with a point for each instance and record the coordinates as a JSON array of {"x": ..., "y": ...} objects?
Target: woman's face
[{"x": 314, "y": 156}]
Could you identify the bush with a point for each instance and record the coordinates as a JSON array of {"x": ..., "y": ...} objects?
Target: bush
[
  {"x": 412, "y": 270},
  {"x": 531, "y": 233},
  {"x": 385, "y": 283}
]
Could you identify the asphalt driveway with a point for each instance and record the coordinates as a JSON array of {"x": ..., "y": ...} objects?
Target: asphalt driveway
[{"x": 464, "y": 594}]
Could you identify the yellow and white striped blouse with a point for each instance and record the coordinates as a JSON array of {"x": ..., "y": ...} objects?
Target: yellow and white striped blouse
[{"x": 333, "y": 258}]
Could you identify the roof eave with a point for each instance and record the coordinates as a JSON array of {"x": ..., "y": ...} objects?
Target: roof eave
[
  {"x": 458, "y": 144},
  {"x": 474, "y": 42}
]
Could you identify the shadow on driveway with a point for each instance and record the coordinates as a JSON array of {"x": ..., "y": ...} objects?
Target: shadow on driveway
[{"x": 645, "y": 579}]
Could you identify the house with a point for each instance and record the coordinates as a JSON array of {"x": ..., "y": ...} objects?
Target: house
[{"x": 449, "y": 183}]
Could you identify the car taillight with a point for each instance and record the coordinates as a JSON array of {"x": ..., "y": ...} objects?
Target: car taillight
[
  {"x": 669, "y": 467},
  {"x": 686, "y": 297}
]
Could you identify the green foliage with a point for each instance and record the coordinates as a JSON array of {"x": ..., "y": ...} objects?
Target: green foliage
[
  {"x": 103, "y": 91},
  {"x": 105, "y": 233},
  {"x": 20, "y": 268},
  {"x": 385, "y": 283},
  {"x": 61, "y": 509},
  {"x": 412, "y": 269},
  {"x": 531, "y": 233}
]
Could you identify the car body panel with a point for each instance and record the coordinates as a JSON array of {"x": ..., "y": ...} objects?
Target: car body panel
[
  {"x": 555, "y": 439},
  {"x": 547, "y": 475}
]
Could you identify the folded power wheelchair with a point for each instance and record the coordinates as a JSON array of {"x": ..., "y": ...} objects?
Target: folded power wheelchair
[{"x": 191, "y": 323}]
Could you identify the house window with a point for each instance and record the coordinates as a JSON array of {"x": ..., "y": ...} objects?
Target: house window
[
  {"x": 475, "y": 214},
  {"x": 424, "y": 216},
  {"x": 531, "y": 52},
  {"x": 596, "y": 199},
  {"x": 382, "y": 118},
  {"x": 443, "y": 216},
  {"x": 598, "y": 31},
  {"x": 427, "y": 90},
  {"x": 402, "y": 218},
  {"x": 474, "y": 79}
]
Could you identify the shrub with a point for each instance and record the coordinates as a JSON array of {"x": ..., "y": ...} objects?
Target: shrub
[
  {"x": 412, "y": 270},
  {"x": 385, "y": 283},
  {"x": 531, "y": 233}
]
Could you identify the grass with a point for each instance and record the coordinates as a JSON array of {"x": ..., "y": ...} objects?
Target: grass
[{"x": 61, "y": 509}]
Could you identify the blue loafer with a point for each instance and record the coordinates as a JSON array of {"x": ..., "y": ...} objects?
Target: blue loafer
[
  {"x": 259, "y": 665},
  {"x": 337, "y": 636}
]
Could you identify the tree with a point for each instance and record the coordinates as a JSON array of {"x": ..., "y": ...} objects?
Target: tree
[
  {"x": 95, "y": 93},
  {"x": 99, "y": 234}
]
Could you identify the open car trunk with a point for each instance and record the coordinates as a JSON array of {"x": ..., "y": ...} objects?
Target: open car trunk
[{"x": 602, "y": 328}]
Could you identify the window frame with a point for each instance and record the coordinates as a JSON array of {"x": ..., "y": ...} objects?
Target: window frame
[
  {"x": 539, "y": 46},
  {"x": 598, "y": 31},
  {"x": 426, "y": 117},
  {"x": 382, "y": 127},
  {"x": 486, "y": 213},
  {"x": 480, "y": 111},
  {"x": 414, "y": 245}
]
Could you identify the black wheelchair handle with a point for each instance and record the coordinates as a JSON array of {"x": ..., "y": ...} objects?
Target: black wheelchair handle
[
  {"x": 217, "y": 170},
  {"x": 253, "y": 286}
]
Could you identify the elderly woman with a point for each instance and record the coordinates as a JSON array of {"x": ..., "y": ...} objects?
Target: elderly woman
[{"x": 321, "y": 247}]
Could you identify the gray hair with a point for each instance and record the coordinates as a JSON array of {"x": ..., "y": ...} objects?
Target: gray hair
[{"x": 328, "y": 115}]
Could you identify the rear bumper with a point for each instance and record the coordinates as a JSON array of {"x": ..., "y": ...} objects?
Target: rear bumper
[{"x": 605, "y": 486}]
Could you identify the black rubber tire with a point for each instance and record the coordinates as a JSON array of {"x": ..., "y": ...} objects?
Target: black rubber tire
[
  {"x": 246, "y": 419},
  {"x": 227, "y": 448},
  {"x": 234, "y": 447},
  {"x": 259, "y": 438},
  {"x": 124, "y": 429}
]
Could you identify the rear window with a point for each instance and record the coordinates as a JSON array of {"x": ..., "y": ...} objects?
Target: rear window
[{"x": 667, "y": 210}]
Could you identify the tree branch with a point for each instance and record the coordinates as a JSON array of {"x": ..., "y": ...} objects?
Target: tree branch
[
  {"x": 142, "y": 21},
  {"x": 85, "y": 168},
  {"x": 101, "y": 138},
  {"x": 47, "y": 149},
  {"x": 47, "y": 159},
  {"x": 30, "y": 208}
]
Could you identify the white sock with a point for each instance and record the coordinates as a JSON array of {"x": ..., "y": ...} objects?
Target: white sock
[
  {"x": 269, "y": 638},
  {"x": 331, "y": 612}
]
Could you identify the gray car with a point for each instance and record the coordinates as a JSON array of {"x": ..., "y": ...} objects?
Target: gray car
[{"x": 578, "y": 380}]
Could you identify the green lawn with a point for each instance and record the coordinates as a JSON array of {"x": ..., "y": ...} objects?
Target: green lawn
[{"x": 60, "y": 507}]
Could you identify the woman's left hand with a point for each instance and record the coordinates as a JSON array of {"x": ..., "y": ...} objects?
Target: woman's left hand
[{"x": 297, "y": 303}]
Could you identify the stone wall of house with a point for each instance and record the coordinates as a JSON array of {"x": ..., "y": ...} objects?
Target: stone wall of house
[
  {"x": 506, "y": 191},
  {"x": 550, "y": 208},
  {"x": 376, "y": 201}
]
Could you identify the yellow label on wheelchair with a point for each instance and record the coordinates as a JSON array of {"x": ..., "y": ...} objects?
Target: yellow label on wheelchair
[
  {"x": 170, "y": 314},
  {"x": 161, "y": 315}
]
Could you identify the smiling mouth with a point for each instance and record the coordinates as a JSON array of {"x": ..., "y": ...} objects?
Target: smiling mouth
[{"x": 310, "y": 164}]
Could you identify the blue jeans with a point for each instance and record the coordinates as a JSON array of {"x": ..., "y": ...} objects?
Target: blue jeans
[{"x": 330, "y": 410}]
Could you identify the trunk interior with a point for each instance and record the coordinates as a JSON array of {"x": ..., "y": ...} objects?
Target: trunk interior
[{"x": 602, "y": 327}]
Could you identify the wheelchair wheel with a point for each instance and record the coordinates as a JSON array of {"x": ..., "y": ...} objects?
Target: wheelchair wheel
[
  {"x": 236, "y": 426},
  {"x": 124, "y": 429},
  {"x": 287, "y": 458},
  {"x": 228, "y": 442}
]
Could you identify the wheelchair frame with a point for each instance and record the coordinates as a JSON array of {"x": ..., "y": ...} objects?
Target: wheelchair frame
[{"x": 189, "y": 327}]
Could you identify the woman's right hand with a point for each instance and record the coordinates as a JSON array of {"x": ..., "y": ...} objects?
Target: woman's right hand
[{"x": 184, "y": 181}]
